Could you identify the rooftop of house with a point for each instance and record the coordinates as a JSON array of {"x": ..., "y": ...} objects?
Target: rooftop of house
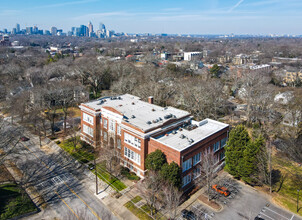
[
  {"x": 138, "y": 113},
  {"x": 185, "y": 136}
]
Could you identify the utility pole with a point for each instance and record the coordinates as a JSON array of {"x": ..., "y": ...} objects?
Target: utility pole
[
  {"x": 298, "y": 200},
  {"x": 270, "y": 165},
  {"x": 96, "y": 177}
]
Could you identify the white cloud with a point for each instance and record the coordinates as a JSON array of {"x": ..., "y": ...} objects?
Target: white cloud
[{"x": 236, "y": 5}]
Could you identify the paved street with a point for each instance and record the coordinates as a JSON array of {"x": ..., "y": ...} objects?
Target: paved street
[{"x": 52, "y": 176}]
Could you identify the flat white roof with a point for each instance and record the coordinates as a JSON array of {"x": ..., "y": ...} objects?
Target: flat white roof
[
  {"x": 138, "y": 113},
  {"x": 181, "y": 139}
]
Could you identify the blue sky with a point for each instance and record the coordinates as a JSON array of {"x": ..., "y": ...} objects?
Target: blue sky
[{"x": 159, "y": 16}]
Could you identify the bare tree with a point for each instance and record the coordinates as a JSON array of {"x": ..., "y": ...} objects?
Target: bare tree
[
  {"x": 111, "y": 157},
  {"x": 9, "y": 138},
  {"x": 150, "y": 189},
  {"x": 208, "y": 165},
  {"x": 172, "y": 199}
]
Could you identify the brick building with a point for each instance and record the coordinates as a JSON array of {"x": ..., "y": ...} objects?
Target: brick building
[{"x": 136, "y": 128}]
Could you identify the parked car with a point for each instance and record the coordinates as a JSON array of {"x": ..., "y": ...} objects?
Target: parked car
[
  {"x": 222, "y": 190},
  {"x": 188, "y": 214},
  {"x": 56, "y": 129},
  {"x": 24, "y": 138}
]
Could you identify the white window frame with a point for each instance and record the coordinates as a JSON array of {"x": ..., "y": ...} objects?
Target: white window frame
[
  {"x": 196, "y": 158},
  {"x": 131, "y": 155},
  {"x": 186, "y": 180},
  {"x": 111, "y": 125},
  {"x": 88, "y": 118},
  {"x": 105, "y": 125},
  {"x": 118, "y": 128},
  {"x": 186, "y": 165},
  {"x": 132, "y": 140},
  {"x": 88, "y": 130},
  {"x": 225, "y": 139},
  {"x": 223, "y": 156},
  {"x": 196, "y": 172},
  {"x": 215, "y": 146}
]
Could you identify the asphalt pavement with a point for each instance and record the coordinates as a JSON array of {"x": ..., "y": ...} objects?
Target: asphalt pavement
[{"x": 53, "y": 178}]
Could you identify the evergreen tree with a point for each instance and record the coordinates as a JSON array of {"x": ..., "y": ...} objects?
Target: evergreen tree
[
  {"x": 155, "y": 160},
  {"x": 215, "y": 71},
  {"x": 238, "y": 140},
  {"x": 171, "y": 173},
  {"x": 249, "y": 168},
  {"x": 254, "y": 152}
]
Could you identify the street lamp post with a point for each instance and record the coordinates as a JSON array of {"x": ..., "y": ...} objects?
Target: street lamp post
[{"x": 298, "y": 200}]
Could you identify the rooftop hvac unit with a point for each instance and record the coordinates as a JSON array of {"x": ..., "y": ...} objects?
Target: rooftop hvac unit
[
  {"x": 133, "y": 116},
  {"x": 203, "y": 122},
  {"x": 182, "y": 136},
  {"x": 174, "y": 132},
  {"x": 149, "y": 122}
]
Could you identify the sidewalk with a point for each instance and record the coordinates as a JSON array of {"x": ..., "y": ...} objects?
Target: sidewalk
[{"x": 105, "y": 192}]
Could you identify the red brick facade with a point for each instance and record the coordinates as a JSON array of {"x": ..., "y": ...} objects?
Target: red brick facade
[{"x": 145, "y": 141}]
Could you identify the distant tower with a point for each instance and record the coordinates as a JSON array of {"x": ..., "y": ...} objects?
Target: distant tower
[
  {"x": 90, "y": 28},
  {"x": 102, "y": 26},
  {"x": 53, "y": 31},
  {"x": 18, "y": 28}
]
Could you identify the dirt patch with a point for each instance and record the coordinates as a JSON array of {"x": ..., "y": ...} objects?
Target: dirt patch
[
  {"x": 5, "y": 176},
  {"x": 212, "y": 204}
]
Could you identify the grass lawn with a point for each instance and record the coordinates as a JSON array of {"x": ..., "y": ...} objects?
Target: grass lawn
[
  {"x": 139, "y": 212},
  {"x": 82, "y": 153},
  {"x": 136, "y": 211},
  {"x": 14, "y": 201},
  {"x": 287, "y": 196},
  {"x": 104, "y": 175}
]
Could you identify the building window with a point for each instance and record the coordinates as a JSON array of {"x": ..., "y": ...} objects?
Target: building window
[
  {"x": 223, "y": 142},
  {"x": 88, "y": 118},
  {"x": 196, "y": 172},
  {"x": 105, "y": 136},
  {"x": 222, "y": 156},
  {"x": 88, "y": 130},
  {"x": 186, "y": 180},
  {"x": 105, "y": 125},
  {"x": 119, "y": 143},
  {"x": 131, "y": 140},
  {"x": 187, "y": 165},
  {"x": 196, "y": 158},
  {"x": 216, "y": 146},
  {"x": 111, "y": 125},
  {"x": 131, "y": 155},
  {"x": 118, "y": 129}
]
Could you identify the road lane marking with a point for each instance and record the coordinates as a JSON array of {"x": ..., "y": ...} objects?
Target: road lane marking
[
  {"x": 261, "y": 213},
  {"x": 71, "y": 190},
  {"x": 276, "y": 213},
  {"x": 67, "y": 205}
]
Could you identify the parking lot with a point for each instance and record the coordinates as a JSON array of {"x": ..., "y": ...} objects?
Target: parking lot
[
  {"x": 233, "y": 187},
  {"x": 270, "y": 212},
  {"x": 243, "y": 202}
]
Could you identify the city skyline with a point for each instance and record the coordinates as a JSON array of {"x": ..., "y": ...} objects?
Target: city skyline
[{"x": 172, "y": 17}]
